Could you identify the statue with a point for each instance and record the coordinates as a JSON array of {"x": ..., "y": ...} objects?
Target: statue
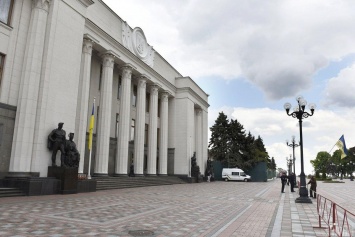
[
  {"x": 56, "y": 141},
  {"x": 72, "y": 156}
]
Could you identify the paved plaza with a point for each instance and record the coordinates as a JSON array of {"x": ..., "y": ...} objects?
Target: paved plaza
[{"x": 203, "y": 209}]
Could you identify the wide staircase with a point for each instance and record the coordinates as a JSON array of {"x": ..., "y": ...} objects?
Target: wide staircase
[
  {"x": 105, "y": 183},
  {"x": 10, "y": 192}
]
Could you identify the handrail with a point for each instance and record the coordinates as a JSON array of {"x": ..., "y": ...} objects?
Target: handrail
[{"x": 338, "y": 220}]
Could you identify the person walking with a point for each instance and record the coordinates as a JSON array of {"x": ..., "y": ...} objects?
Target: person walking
[
  {"x": 313, "y": 190},
  {"x": 283, "y": 181},
  {"x": 291, "y": 181}
]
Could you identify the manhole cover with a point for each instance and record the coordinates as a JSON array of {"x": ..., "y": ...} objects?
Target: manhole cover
[{"x": 140, "y": 232}]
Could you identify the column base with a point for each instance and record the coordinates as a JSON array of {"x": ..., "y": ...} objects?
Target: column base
[
  {"x": 162, "y": 175},
  {"x": 150, "y": 175},
  {"x": 120, "y": 175},
  {"x": 22, "y": 174},
  {"x": 99, "y": 175},
  {"x": 139, "y": 175}
]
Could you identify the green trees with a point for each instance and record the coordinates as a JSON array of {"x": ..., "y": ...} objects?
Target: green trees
[
  {"x": 230, "y": 145},
  {"x": 321, "y": 162},
  {"x": 333, "y": 164}
]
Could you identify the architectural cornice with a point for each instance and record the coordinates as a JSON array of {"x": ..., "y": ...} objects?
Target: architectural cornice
[
  {"x": 86, "y": 3},
  {"x": 90, "y": 37},
  {"x": 194, "y": 94}
]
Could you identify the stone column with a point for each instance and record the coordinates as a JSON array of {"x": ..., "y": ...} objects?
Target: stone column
[
  {"x": 163, "y": 146},
  {"x": 22, "y": 145},
  {"x": 198, "y": 136},
  {"x": 139, "y": 127},
  {"x": 83, "y": 98},
  {"x": 104, "y": 121},
  {"x": 152, "y": 131},
  {"x": 125, "y": 123}
]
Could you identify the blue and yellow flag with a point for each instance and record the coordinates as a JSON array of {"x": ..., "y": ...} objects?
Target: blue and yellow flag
[
  {"x": 91, "y": 126},
  {"x": 341, "y": 145}
]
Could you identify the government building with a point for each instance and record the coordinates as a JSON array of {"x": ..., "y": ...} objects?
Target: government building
[{"x": 59, "y": 56}]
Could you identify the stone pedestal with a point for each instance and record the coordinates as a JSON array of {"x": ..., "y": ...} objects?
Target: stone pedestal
[{"x": 67, "y": 176}]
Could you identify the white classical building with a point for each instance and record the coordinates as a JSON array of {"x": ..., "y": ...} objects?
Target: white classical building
[{"x": 56, "y": 56}]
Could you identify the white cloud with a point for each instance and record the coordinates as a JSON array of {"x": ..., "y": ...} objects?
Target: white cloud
[
  {"x": 340, "y": 90},
  {"x": 277, "y": 45}
]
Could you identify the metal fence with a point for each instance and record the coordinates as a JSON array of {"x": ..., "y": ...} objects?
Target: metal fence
[{"x": 339, "y": 221}]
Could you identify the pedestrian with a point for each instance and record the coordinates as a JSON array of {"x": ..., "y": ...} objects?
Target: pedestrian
[
  {"x": 313, "y": 190},
  {"x": 208, "y": 176},
  {"x": 291, "y": 181},
  {"x": 283, "y": 181}
]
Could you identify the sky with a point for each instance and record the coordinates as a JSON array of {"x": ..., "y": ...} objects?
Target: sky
[{"x": 253, "y": 56}]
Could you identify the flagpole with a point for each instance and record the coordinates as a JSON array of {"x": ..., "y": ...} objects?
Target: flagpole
[
  {"x": 89, "y": 175},
  {"x": 332, "y": 148}
]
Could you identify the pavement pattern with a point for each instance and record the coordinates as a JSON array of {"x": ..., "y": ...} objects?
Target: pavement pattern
[{"x": 196, "y": 210}]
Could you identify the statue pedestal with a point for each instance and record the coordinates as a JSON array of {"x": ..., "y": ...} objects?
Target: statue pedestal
[{"x": 67, "y": 176}]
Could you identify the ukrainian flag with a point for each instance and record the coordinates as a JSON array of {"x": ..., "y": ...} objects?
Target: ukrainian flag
[
  {"x": 91, "y": 126},
  {"x": 341, "y": 145}
]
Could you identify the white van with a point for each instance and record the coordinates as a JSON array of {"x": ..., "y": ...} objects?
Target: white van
[{"x": 235, "y": 174}]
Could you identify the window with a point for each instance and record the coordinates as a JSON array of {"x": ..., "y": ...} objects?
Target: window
[
  {"x": 146, "y": 134},
  {"x": 5, "y": 11},
  {"x": 235, "y": 173},
  {"x": 134, "y": 96},
  {"x": 119, "y": 87},
  {"x": 147, "y": 101},
  {"x": 2, "y": 59},
  {"x": 100, "y": 79},
  {"x": 97, "y": 120},
  {"x": 133, "y": 122},
  {"x": 158, "y": 137},
  {"x": 117, "y": 121}
]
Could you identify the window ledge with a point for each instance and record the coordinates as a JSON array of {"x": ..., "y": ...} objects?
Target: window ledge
[{"x": 6, "y": 29}]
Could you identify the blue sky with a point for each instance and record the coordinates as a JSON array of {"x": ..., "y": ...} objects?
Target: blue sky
[{"x": 252, "y": 56}]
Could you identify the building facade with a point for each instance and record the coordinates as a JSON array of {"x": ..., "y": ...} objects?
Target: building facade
[{"x": 57, "y": 57}]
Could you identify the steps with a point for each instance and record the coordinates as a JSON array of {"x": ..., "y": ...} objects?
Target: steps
[
  {"x": 10, "y": 192},
  {"x": 105, "y": 183}
]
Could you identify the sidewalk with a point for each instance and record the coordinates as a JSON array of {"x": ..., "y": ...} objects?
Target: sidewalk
[{"x": 203, "y": 209}]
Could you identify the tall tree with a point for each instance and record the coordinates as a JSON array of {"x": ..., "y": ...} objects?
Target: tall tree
[
  {"x": 219, "y": 138},
  {"x": 321, "y": 162},
  {"x": 236, "y": 135}
]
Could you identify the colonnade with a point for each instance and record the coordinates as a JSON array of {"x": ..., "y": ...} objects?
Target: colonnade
[{"x": 103, "y": 125}]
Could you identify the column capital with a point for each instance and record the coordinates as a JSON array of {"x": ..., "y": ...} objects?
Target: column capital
[
  {"x": 154, "y": 88},
  {"x": 198, "y": 111},
  {"x": 142, "y": 82},
  {"x": 165, "y": 96},
  {"x": 87, "y": 46},
  {"x": 108, "y": 59},
  {"x": 41, "y": 4},
  {"x": 128, "y": 66}
]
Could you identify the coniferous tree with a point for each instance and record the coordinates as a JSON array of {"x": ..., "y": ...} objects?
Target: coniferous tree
[
  {"x": 219, "y": 138},
  {"x": 236, "y": 140}
]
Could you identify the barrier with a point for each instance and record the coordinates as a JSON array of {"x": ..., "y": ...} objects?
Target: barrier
[{"x": 340, "y": 222}]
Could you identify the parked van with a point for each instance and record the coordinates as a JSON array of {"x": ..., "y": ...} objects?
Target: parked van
[{"x": 235, "y": 174}]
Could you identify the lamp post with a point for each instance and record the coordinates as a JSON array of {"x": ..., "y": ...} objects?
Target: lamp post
[
  {"x": 289, "y": 164},
  {"x": 293, "y": 144},
  {"x": 300, "y": 113}
]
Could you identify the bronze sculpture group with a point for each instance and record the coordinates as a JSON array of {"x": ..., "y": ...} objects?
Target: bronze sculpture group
[{"x": 57, "y": 141}]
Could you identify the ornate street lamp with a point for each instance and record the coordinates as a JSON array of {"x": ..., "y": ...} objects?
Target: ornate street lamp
[
  {"x": 300, "y": 113},
  {"x": 289, "y": 164},
  {"x": 293, "y": 144}
]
